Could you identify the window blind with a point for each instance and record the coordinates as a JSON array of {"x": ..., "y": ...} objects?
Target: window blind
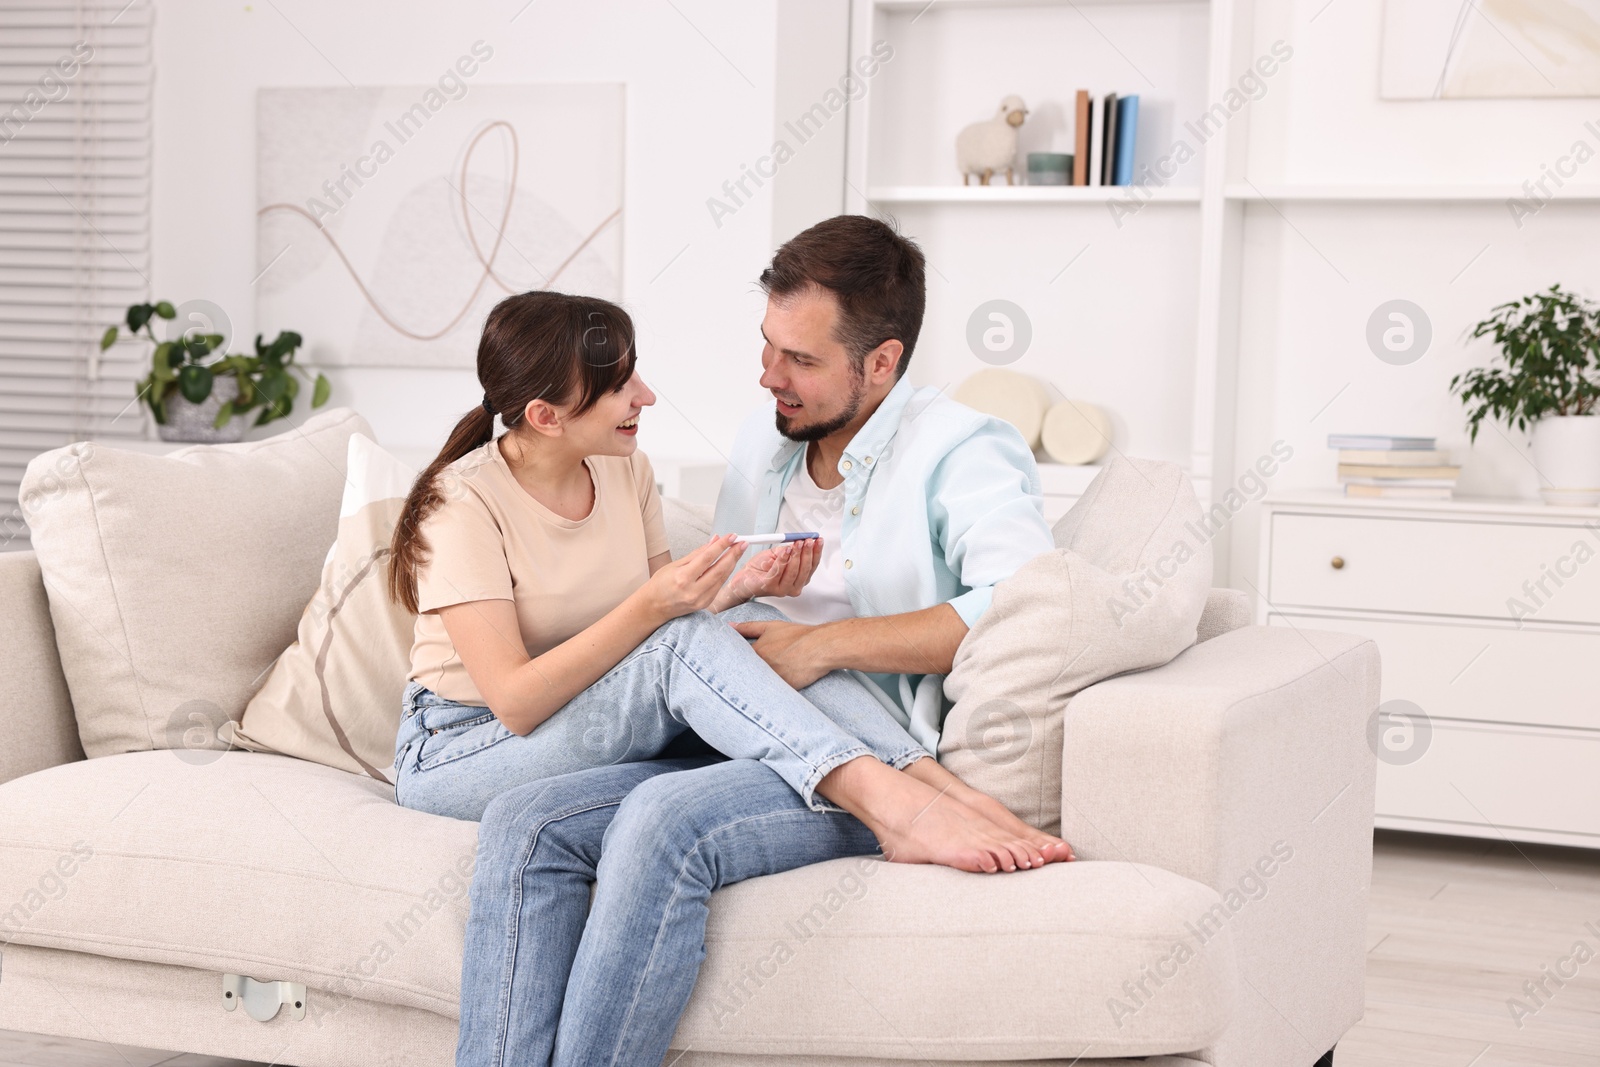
[{"x": 75, "y": 102}]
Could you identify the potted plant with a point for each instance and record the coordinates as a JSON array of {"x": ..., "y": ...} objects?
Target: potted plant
[
  {"x": 194, "y": 397},
  {"x": 1549, "y": 378}
]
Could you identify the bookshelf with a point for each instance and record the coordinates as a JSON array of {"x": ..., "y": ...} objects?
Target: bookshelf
[
  {"x": 1020, "y": 194},
  {"x": 1380, "y": 194},
  {"x": 1134, "y": 351}
]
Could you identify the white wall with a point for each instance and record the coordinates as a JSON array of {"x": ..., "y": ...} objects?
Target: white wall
[
  {"x": 706, "y": 93},
  {"x": 1313, "y": 274},
  {"x": 700, "y": 104}
]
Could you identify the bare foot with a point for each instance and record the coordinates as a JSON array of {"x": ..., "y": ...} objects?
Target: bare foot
[
  {"x": 1052, "y": 849},
  {"x": 916, "y": 823}
]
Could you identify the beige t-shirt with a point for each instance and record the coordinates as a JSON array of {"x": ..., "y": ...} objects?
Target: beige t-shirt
[{"x": 491, "y": 540}]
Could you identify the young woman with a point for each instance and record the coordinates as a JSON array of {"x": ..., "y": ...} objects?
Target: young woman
[{"x": 555, "y": 632}]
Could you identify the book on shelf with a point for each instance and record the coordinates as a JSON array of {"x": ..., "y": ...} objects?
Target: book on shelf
[
  {"x": 1400, "y": 492},
  {"x": 1385, "y": 473},
  {"x": 1080, "y": 135},
  {"x": 1401, "y": 483},
  {"x": 1394, "y": 465},
  {"x": 1104, "y": 132},
  {"x": 1127, "y": 128},
  {"x": 1094, "y": 153},
  {"x": 1387, "y": 442},
  {"x": 1108, "y": 147},
  {"x": 1411, "y": 457}
]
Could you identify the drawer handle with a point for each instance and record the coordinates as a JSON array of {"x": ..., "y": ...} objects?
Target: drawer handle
[{"x": 1338, "y": 563}]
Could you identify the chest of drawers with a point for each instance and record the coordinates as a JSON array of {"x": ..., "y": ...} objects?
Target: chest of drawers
[{"x": 1487, "y": 617}]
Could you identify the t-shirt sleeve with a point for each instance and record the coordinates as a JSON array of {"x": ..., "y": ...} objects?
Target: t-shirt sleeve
[
  {"x": 467, "y": 556},
  {"x": 655, "y": 526}
]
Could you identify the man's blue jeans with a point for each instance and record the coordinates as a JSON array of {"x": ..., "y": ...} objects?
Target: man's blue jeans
[{"x": 548, "y": 979}]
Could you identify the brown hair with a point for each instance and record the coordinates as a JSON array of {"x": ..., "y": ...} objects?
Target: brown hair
[
  {"x": 536, "y": 346},
  {"x": 876, "y": 274}
]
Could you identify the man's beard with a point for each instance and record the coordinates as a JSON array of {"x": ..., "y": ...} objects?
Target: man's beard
[{"x": 820, "y": 430}]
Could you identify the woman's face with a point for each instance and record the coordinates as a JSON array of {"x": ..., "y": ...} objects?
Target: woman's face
[{"x": 611, "y": 427}]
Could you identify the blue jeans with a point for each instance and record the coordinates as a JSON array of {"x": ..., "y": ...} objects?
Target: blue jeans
[
  {"x": 547, "y": 979},
  {"x": 694, "y": 672}
]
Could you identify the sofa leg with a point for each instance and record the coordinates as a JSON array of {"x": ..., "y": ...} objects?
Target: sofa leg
[{"x": 1326, "y": 1061}]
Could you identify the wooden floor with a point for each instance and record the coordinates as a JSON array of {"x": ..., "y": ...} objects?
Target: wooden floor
[{"x": 1457, "y": 926}]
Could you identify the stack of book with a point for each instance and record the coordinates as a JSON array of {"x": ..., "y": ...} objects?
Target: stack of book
[
  {"x": 1402, "y": 467},
  {"x": 1104, "y": 135}
]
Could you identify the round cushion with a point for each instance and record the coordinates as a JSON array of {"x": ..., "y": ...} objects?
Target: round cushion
[
  {"x": 1005, "y": 394},
  {"x": 1075, "y": 431}
]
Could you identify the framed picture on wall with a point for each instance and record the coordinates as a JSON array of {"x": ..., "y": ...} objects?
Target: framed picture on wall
[
  {"x": 1463, "y": 49},
  {"x": 390, "y": 220}
]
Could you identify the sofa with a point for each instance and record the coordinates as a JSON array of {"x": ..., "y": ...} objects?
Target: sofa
[{"x": 254, "y": 905}]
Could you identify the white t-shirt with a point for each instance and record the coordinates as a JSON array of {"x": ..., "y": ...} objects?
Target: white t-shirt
[{"x": 806, "y": 507}]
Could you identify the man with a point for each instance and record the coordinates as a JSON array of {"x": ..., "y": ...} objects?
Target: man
[
  {"x": 923, "y": 505},
  {"x": 886, "y": 470}
]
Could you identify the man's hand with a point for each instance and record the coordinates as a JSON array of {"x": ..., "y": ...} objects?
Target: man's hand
[
  {"x": 782, "y": 570},
  {"x": 786, "y": 650}
]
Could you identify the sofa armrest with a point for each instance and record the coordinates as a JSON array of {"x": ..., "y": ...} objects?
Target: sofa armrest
[
  {"x": 40, "y": 728},
  {"x": 1243, "y": 763},
  {"x": 1225, "y": 610}
]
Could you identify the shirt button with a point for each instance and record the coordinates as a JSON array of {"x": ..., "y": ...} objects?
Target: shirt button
[
  {"x": 846, "y": 464},
  {"x": 856, "y": 510},
  {"x": 869, "y": 461},
  {"x": 848, "y": 564}
]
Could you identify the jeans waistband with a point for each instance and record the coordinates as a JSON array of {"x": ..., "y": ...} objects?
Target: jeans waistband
[{"x": 441, "y": 713}]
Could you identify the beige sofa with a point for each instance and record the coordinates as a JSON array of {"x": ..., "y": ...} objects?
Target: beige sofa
[{"x": 1221, "y": 805}]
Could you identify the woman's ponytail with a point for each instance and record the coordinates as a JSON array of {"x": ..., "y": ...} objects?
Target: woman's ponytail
[{"x": 409, "y": 549}]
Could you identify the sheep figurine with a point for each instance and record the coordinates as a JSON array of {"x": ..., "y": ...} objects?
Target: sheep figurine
[{"x": 984, "y": 148}]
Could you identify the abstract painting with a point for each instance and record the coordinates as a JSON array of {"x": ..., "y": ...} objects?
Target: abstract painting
[
  {"x": 1460, "y": 49},
  {"x": 390, "y": 220}
]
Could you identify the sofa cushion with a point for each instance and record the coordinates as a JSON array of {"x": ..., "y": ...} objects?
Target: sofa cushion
[
  {"x": 860, "y": 957},
  {"x": 1123, "y": 590},
  {"x": 688, "y": 525},
  {"x": 174, "y": 581},
  {"x": 333, "y": 697},
  {"x": 1226, "y": 610},
  {"x": 240, "y": 862},
  {"x": 287, "y": 870}
]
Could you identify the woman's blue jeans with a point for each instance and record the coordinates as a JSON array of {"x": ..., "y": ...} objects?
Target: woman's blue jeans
[{"x": 695, "y": 672}]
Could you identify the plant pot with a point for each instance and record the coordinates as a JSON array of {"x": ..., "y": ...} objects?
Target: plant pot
[
  {"x": 1566, "y": 453},
  {"x": 190, "y": 422}
]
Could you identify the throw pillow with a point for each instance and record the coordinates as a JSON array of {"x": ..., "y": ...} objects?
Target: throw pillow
[
  {"x": 1123, "y": 590},
  {"x": 688, "y": 525},
  {"x": 175, "y": 580},
  {"x": 333, "y": 697}
]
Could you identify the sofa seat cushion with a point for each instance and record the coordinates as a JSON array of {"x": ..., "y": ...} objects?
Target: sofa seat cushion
[
  {"x": 860, "y": 957},
  {"x": 240, "y": 862},
  {"x": 283, "y": 869}
]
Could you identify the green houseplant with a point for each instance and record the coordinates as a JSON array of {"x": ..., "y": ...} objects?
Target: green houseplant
[
  {"x": 1547, "y": 377},
  {"x": 194, "y": 396}
]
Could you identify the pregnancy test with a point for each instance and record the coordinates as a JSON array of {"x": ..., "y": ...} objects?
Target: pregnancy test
[{"x": 776, "y": 538}]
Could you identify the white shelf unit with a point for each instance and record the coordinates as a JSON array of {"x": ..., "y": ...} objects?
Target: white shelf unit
[
  {"x": 1116, "y": 314},
  {"x": 1020, "y": 194},
  {"x": 1397, "y": 194}
]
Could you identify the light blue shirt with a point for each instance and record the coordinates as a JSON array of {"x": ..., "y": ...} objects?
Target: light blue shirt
[{"x": 941, "y": 502}]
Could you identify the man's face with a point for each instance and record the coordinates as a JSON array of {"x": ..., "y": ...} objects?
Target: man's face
[{"x": 817, "y": 386}]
